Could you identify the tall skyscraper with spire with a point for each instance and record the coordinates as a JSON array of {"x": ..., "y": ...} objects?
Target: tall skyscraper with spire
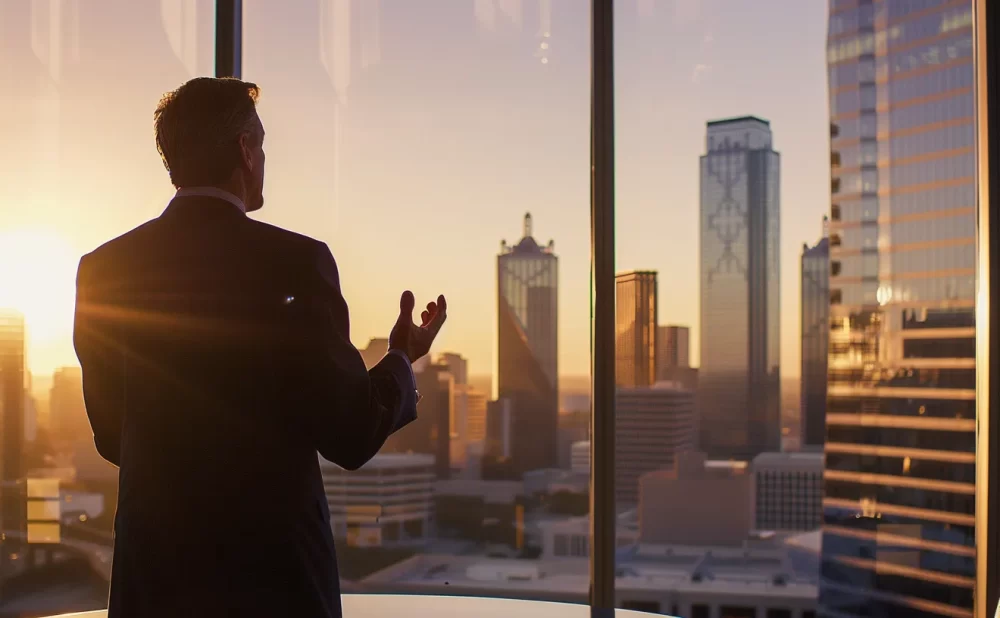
[
  {"x": 527, "y": 346},
  {"x": 739, "y": 379},
  {"x": 900, "y": 477}
]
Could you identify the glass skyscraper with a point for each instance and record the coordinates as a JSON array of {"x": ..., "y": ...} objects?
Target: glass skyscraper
[
  {"x": 739, "y": 379},
  {"x": 635, "y": 328},
  {"x": 527, "y": 346},
  {"x": 898, "y": 535},
  {"x": 815, "y": 326}
]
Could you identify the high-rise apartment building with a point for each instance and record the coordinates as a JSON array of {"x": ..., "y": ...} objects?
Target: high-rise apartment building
[
  {"x": 652, "y": 425},
  {"x": 635, "y": 328},
  {"x": 12, "y": 398},
  {"x": 739, "y": 379},
  {"x": 527, "y": 345},
  {"x": 898, "y": 534},
  {"x": 815, "y": 325}
]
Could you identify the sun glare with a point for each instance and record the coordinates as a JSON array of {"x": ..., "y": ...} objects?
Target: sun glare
[{"x": 38, "y": 279}]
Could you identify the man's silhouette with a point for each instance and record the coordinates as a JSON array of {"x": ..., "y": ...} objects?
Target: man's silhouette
[{"x": 217, "y": 362}]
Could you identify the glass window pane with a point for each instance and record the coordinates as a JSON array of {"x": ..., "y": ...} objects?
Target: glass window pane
[{"x": 414, "y": 142}]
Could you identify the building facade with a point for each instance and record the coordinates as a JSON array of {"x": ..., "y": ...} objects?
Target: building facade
[
  {"x": 12, "y": 399},
  {"x": 468, "y": 422},
  {"x": 386, "y": 503},
  {"x": 527, "y": 346},
  {"x": 652, "y": 426},
  {"x": 789, "y": 493},
  {"x": 697, "y": 502},
  {"x": 815, "y": 329},
  {"x": 739, "y": 378},
  {"x": 635, "y": 328},
  {"x": 899, "y": 491}
]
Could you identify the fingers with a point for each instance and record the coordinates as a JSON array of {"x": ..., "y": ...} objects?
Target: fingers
[
  {"x": 438, "y": 318},
  {"x": 406, "y": 304},
  {"x": 424, "y": 318}
]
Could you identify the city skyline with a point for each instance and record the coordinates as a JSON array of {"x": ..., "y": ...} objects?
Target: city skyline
[{"x": 455, "y": 151}]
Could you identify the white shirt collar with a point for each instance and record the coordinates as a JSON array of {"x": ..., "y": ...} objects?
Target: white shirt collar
[{"x": 222, "y": 194}]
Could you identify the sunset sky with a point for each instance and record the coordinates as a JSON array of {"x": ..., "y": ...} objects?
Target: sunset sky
[{"x": 412, "y": 137}]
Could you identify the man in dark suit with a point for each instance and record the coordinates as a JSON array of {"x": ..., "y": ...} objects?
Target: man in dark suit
[{"x": 217, "y": 362}]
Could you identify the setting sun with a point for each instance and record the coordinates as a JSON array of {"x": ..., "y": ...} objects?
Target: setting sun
[{"x": 37, "y": 278}]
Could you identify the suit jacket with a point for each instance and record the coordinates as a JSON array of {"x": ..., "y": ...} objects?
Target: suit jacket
[{"x": 217, "y": 361}]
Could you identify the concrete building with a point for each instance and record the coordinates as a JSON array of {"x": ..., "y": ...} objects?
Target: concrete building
[
  {"x": 899, "y": 534},
  {"x": 635, "y": 328},
  {"x": 698, "y": 502},
  {"x": 789, "y": 494},
  {"x": 386, "y": 503},
  {"x": 653, "y": 425},
  {"x": 739, "y": 378},
  {"x": 527, "y": 348},
  {"x": 815, "y": 329}
]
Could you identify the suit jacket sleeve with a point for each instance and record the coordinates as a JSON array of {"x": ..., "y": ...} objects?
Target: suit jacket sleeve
[
  {"x": 102, "y": 362},
  {"x": 351, "y": 410}
]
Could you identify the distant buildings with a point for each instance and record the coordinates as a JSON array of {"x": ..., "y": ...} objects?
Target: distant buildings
[
  {"x": 635, "y": 329},
  {"x": 386, "y": 503},
  {"x": 377, "y": 348},
  {"x": 815, "y": 327},
  {"x": 789, "y": 491},
  {"x": 457, "y": 365},
  {"x": 468, "y": 424},
  {"x": 673, "y": 357},
  {"x": 674, "y": 346},
  {"x": 739, "y": 380},
  {"x": 527, "y": 345},
  {"x": 68, "y": 420},
  {"x": 12, "y": 400},
  {"x": 431, "y": 433},
  {"x": 697, "y": 502},
  {"x": 580, "y": 457},
  {"x": 653, "y": 425}
]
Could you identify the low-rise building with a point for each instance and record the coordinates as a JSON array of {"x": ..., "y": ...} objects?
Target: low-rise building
[{"x": 387, "y": 502}]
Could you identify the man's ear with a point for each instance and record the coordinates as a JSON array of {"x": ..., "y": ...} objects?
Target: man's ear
[{"x": 246, "y": 150}]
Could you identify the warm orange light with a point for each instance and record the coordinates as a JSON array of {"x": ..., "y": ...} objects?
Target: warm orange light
[{"x": 38, "y": 279}]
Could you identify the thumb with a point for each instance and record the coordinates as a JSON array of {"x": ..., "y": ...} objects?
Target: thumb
[{"x": 406, "y": 304}]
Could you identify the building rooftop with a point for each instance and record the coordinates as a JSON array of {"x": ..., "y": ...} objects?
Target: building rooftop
[
  {"x": 384, "y": 461},
  {"x": 766, "y": 568},
  {"x": 795, "y": 459},
  {"x": 736, "y": 119}
]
